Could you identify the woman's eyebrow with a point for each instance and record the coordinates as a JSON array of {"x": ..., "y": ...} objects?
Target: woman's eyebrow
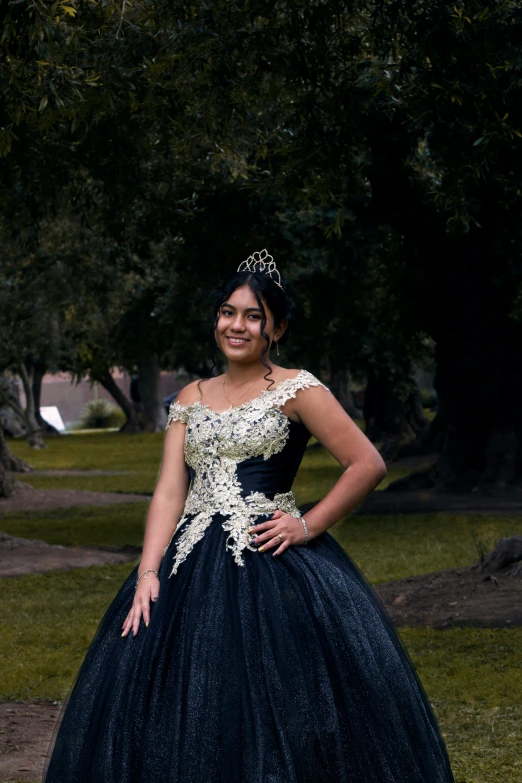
[{"x": 247, "y": 309}]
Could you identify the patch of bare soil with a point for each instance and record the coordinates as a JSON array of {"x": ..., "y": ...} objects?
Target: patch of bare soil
[
  {"x": 27, "y": 498},
  {"x": 418, "y": 501},
  {"x": 25, "y": 733},
  {"x": 19, "y": 556},
  {"x": 430, "y": 500},
  {"x": 487, "y": 595},
  {"x": 415, "y": 462}
]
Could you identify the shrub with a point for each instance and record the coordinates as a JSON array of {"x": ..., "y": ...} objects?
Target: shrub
[{"x": 99, "y": 414}]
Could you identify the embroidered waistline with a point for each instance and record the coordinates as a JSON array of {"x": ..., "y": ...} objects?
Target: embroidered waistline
[{"x": 238, "y": 520}]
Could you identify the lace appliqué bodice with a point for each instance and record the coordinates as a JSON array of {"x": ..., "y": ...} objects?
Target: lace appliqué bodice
[{"x": 215, "y": 443}]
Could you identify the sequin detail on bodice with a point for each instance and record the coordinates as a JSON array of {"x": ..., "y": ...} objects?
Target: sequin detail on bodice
[{"x": 216, "y": 443}]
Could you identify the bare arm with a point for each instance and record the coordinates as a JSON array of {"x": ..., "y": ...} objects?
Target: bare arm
[
  {"x": 168, "y": 499},
  {"x": 364, "y": 469},
  {"x": 164, "y": 513}
]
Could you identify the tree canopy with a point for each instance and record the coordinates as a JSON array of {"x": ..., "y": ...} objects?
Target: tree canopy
[{"x": 373, "y": 146}]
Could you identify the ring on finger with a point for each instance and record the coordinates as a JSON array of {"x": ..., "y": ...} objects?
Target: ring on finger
[{"x": 280, "y": 537}]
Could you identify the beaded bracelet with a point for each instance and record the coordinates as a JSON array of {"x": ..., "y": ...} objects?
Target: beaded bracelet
[
  {"x": 145, "y": 575},
  {"x": 305, "y": 530}
]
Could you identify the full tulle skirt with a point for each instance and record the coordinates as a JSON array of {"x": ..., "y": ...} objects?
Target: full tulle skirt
[{"x": 284, "y": 670}]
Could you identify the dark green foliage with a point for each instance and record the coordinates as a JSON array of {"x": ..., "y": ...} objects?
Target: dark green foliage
[{"x": 375, "y": 147}]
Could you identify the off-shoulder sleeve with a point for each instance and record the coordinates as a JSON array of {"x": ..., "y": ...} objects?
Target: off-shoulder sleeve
[
  {"x": 289, "y": 388},
  {"x": 177, "y": 412}
]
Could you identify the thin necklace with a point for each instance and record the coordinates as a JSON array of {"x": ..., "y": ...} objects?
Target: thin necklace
[{"x": 241, "y": 395}]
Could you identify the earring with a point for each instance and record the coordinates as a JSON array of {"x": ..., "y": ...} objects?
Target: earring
[{"x": 277, "y": 348}]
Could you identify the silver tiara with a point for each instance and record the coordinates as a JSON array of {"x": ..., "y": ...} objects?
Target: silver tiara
[{"x": 261, "y": 261}]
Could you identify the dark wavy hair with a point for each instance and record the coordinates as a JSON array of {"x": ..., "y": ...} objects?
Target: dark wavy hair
[{"x": 279, "y": 301}]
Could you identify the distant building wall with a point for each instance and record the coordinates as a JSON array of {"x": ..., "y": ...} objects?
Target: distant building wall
[{"x": 70, "y": 398}]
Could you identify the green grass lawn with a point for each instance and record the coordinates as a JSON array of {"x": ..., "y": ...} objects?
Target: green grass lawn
[
  {"x": 120, "y": 524},
  {"x": 472, "y": 676},
  {"x": 106, "y": 451},
  {"x": 140, "y": 455},
  {"x": 396, "y": 546},
  {"x": 386, "y": 547}
]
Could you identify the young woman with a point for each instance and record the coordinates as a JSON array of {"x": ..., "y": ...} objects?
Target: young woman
[{"x": 247, "y": 647}]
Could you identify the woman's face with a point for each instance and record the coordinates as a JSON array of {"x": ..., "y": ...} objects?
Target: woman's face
[{"x": 238, "y": 330}]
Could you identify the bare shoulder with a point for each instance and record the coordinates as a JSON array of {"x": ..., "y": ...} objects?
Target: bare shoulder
[
  {"x": 286, "y": 374},
  {"x": 191, "y": 392}
]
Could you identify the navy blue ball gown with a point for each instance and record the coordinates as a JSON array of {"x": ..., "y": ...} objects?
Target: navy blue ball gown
[{"x": 253, "y": 669}]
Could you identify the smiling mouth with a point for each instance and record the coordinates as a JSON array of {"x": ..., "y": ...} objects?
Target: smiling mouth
[{"x": 237, "y": 340}]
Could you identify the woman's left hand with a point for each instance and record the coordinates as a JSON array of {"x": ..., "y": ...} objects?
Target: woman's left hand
[{"x": 291, "y": 528}]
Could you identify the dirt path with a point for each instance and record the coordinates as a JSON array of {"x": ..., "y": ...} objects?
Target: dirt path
[
  {"x": 78, "y": 472},
  {"x": 426, "y": 501},
  {"x": 27, "y": 498},
  {"x": 25, "y": 733},
  {"x": 19, "y": 556},
  {"x": 505, "y": 501},
  {"x": 430, "y": 501}
]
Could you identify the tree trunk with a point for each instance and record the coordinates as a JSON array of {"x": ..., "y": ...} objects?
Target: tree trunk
[
  {"x": 430, "y": 439},
  {"x": 11, "y": 414},
  {"x": 34, "y": 434},
  {"x": 479, "y": 385},
  {"x": 340, "y": 386},
  {"x": 6, "y": 483},
  {"x": 38, "y": 370},
  {"x": 9, "y": 463},
  {"x": 479, "y": 380},
  {"x": 462, "y": 290},
  {"x": 154, "y": 414},
  {"x": 132, "y": 425},
  {"x": 390, "y": 420},
  {"x": 507, "y": 552}
]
